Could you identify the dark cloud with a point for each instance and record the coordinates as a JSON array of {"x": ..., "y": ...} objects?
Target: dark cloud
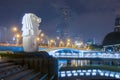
[{"x": 87, "y": 6}]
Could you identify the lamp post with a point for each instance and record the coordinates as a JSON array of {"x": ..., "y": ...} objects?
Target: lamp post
[
  {"x": 41, "y": 38},
  {"x": 68, "y": 43},
  {"x": 57, "y": 41},
  {"x": 14, "y": 30},
  {"x": 52, "y": 42},
  {"x": 17, "y": 36},
  {"x": 61, "y": 44},
  {"x": 38, "y": 40}
]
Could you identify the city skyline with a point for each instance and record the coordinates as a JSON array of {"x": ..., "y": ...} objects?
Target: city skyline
[{"x": 88, "y": 18}]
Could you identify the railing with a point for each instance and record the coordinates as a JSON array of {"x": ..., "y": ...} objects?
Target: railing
[
  {"x": 74, "y": 53},
  {"x": 111, "y": 56},
  {"x": 39, "y": 61},
  {"x": 43, "y": 77},
  {"x": 34, "y": 76},
  {"x": 52, "y": 77}
]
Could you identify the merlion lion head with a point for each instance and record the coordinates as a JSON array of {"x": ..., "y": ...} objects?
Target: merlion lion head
[{"x": 30, "y": 24}]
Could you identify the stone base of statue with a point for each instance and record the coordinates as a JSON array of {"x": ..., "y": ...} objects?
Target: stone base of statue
[{"x": 30, "y": 44}]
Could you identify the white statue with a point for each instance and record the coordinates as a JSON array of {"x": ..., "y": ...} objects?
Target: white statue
[{"x": 30, "y": 32}]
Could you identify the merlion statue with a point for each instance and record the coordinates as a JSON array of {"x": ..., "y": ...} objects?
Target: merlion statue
[{"x": 30, "y": 32}]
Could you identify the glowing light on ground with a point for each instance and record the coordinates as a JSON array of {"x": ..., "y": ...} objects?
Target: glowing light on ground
[{"x": 94, "y": 72}]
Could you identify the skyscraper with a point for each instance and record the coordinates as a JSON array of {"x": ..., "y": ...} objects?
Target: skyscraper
[{"x": 63, "y": 26}]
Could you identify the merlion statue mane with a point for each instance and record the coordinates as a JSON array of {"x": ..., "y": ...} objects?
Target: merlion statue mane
[{"x": 30, "y": 32}]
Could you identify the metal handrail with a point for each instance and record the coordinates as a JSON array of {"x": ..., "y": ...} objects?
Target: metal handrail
[
  {"x": 52, "y": 77},
  {"x": 43, "y": 77}
]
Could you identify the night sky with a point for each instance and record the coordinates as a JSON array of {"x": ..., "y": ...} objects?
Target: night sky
[{"x": 87, "y": 18}]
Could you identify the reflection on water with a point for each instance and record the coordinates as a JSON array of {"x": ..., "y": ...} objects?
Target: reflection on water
[{"x": 74, "y": 63}]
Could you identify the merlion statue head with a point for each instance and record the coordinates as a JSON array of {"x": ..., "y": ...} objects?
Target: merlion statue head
[{"x": 30, "y": 24}]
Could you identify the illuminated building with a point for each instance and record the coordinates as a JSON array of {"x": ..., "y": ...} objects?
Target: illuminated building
[
  {"x": 111, "y": 41},
  {"x": 62, "y": 27}
]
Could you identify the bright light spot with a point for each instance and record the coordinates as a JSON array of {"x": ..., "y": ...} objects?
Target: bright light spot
[
  {"x": 62, "y": 54},
  {"x": 42, "y": 35},
  {"x": 87, "y": 73},
  {"x": 17, "y": 35},
  {"x": 89, "y": 70},
  {"x": 77, "y": 43},
  {"x": 56, "y": 54},
  {"x": 99, "y": 71},
  {"x": 106, "y": 74},
  {"x": 14, "y": 29},
  {"x": 117, "y": 76},
  {"x": 52, "y": 41},
  {"x": 101, "y": 74},
  {"x": 82, "y": 74},
  {"x": 78, "y": 70},
  {"x": 94, "y": 70},
  {"x": 112, "y": 74},
  {"x": 63, "y": 75},
  {"x": 68, "y": 40},
  {"x": 62, "y": 72},
  {"x": 83, "y": 70},
  {"x": 68, "y": 71},
  {"x": 73, "y": 71},
  {"x": 75, "y": 74},
  {"x": 69, "y": 74},
  {"x": 38, "y": 39},
  {"x": 94, "y": 74},
  {"x": 90, "y": 73}
]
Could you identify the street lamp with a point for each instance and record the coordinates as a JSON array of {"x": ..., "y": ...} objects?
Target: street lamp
[
  {"x": 41, "y": 39},
  {"x": 61, "y": 44},
  {"x": 52, "y": 42},
  {"x": 17, "y": 38},
  {"x": 42, "y": 35},
  {"x": 38, "y": 39},
  {"x": 68, "y": 42},
  {"x": 15, "y": 35},
  {"x": 14, "y": 29}
]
